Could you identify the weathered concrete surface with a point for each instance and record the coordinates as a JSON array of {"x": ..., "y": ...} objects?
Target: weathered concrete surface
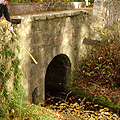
[
  {"x": 28, "y": 8},
  {"x": 49, "y": 35},
  {"x": 108, "y": 10}
]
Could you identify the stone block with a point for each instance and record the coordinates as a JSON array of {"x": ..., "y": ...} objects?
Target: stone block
[{"x": 40, "y": 17}]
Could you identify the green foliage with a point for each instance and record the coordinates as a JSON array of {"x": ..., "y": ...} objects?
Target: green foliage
[
  {"x": 10, "y": 99},
  {"x": 18, "y": 48},
  {"x": 33, "y": 26}
]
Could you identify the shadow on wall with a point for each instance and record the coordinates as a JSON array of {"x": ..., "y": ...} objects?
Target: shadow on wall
[
  {"x": 93, "y": 43},
  {"x": 57, "y": 75}
]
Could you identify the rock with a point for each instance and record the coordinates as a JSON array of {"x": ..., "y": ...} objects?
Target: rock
[{"x": 37, "y": 95}]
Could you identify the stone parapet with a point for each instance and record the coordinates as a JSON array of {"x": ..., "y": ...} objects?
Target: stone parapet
[{"x": 47, "y": 16}]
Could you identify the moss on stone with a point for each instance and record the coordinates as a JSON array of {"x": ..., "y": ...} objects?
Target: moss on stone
[{"x": 96, "y": 99}]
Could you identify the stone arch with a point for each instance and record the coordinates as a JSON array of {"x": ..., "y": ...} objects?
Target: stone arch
[{"x": 58, "y": 75}]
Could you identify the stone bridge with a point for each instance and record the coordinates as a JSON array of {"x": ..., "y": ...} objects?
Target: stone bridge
[{"x": 58, "y": 41}]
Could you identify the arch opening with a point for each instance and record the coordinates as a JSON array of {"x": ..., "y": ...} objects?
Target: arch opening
[{"x": 58, "y": 75}]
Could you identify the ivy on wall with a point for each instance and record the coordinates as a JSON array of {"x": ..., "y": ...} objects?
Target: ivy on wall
[{"x": 11, "y": 88}]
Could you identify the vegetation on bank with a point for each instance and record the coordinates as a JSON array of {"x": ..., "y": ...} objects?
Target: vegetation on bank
[
  {"x": 10, "y": 73},
  {"x": 98, "y": 78}
]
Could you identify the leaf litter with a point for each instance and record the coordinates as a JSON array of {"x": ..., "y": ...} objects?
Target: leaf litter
[{"x": 79, "y": 108}]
